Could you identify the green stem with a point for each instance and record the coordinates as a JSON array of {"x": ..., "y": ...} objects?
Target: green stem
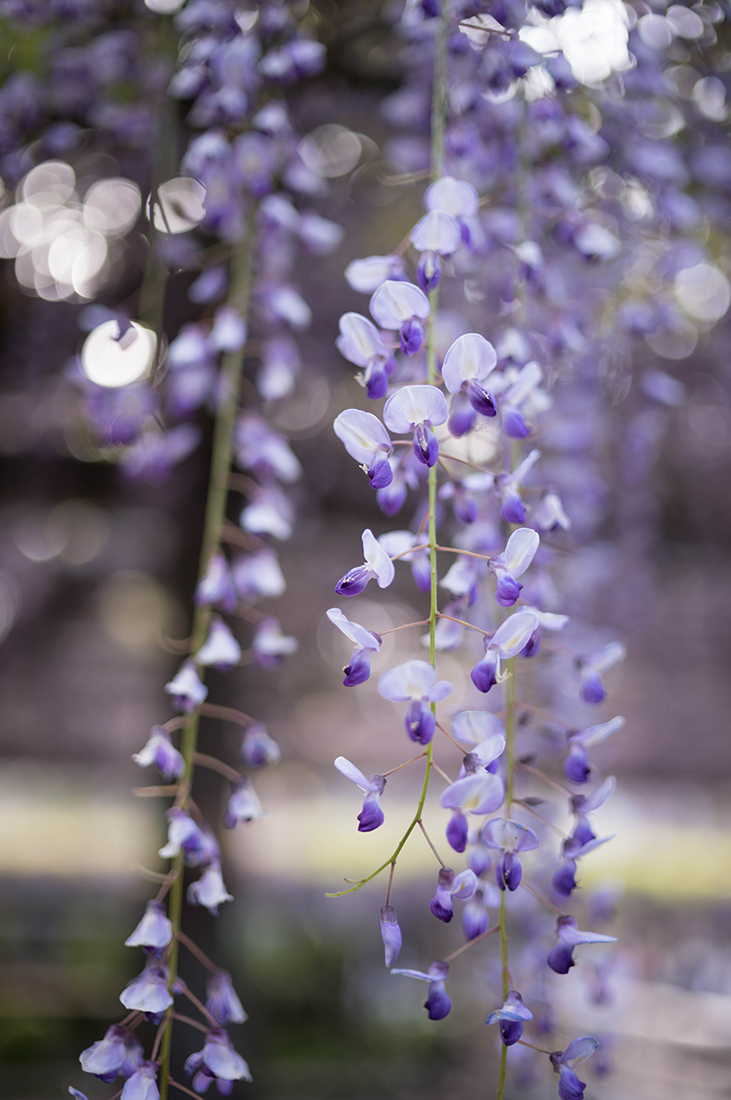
[
  {"x": 222, "y": 449},
  {"x": 439, "y": 101},
  {"x": 503, "y": 1071}
]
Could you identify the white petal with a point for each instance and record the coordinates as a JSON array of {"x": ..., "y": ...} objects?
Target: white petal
[
  {"x": 358, "y": 634},
  {"x": 464, "y": 885},
  {"x": 376, "y": 557},
  {"x": 395, "y": 302},
  {"x": 471, "y": 727},
  {"x": 488, "y": 750},
  {"x": 520, "y": 550},
  {"x": 396, "y": 542},
  {"x": 607, "y": 658},
  {"x": 414, "y": 405},
  {"x": 362, "y": 434},
  {"x": 513, "y": 634},
  {"x": 414, "y": 974},
  {"x": 366, "y": 275},
  {"x": 530, "y": 376},
  {"x": 456, "y": 197},
  {"x": 549, "y": 620},
  {"x": 595, "y": 734},
  {"x": 412, "y": 680},
  {"x": 578, "y": 1051},
  {"x": 360, "y": 341},
  {"x": 470, "y": 356},
  {"x": 600, "y": 795},
  {"x": 437, "y": 232},
  {"x": 460, "y": 577},
  {"x": 355, "y": 775},
  {"x": 521, "y": 471}
]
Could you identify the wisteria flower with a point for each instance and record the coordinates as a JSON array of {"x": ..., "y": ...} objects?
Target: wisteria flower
[
  {"x": 220, "y": 649},
  {"x": 509, "y": 837},
  {"x": 475, "y": 913},
  {"x": 518, "y": 554},
  {"x": 264, "y": 451},
  {"x": 371, "y": 816},
  {"x": 119, "y": 1052},
  {"x": 269, "y": 513},
  {"x": 479, "y": 793},
  {"x": 270, "y": 645},
  {"x": 472, "y": 728},
  {"x": 259, "y": 576},
  {"x": 591, "y": 669},
  {"x": 209, "y": 890},
  {"x": 514, "y": 425},
  {"x": 390, "y": 934},
  {"x": 401, "y": 307},
  {"x": 366, "y": 642},
  {"x": 216, "y": 586},
  {"x": 511, "y": 1018},
  {"x": 437, "y": 1004},
  {"x": 219, "y": 1062},
  {"x": 221, "y": 999},
  {"x": 184, "y": 835},
  {"x": 186, "y": 689},
  {"x": 467, "y": 364},
  {"x": 509, "y": 639},
  {"x": 161, "y": 752},
  {"x": 367, "y": 441},
  {"x": 417, "y": 409},
  {"x": 450, "y": 886},
  {"x": 550, "y": 514},
  {"x": 508, "y": 485},
  {"x": 459, "y": 199},
  {"x": 142, "y": 1085},
  {"x": 583, "y": 805},
  {"x": 572, "y": 850},
  {"x": 259, "y": 749},
  {"x": 149, "y": 992},
  {"x": 565, "y": 1061},
  {"x": 561, "y": 959},
  {"x": 398, "y": 544},
  {"x": 368, "y": 274},
  {"x": 243, "y": 803},
  {"x": 377, "y": 564},
  {"x": 415, "y": 683},
  {"x": 436, "y": 235},
  {"x": 547, "y": 620},
  {"x": 154, "y": 930},
  {"x": 360, "y": 343},
  {"x": 576, "y": 766}
]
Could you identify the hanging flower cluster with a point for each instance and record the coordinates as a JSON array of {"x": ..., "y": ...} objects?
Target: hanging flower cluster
[
  {"x": 246, "y": 170},
  {"x": 532, "y": 238}
]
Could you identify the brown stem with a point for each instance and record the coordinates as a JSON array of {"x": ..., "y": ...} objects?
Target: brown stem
[
  {"x": 169, "y": 879},
  {"x": 482, "y": 936},
  {"x": 444, "y": 775},
  {"x": 400, "y": 766},
  {"x": 156, "y": 792},
  {"x": 198, "y": 1004},
  {"x": 195, "y": 950},
  {"x": 541, "y": 898},
  {"x": 215, "y": 765},
  {"x": 393, "y": 629},
  {"x": 531, "y": 810},
  {"x": 546, "y": 714},
  {"x": 420, "y": 823},
  {"x": 226, "y": 714},
  {"x": 182, "y": 1088},
  {"x": 188, "y": 1020},
  {"x": 485, "y": 633},
  {"x": 450, "y": 738},
  {"x": 523, "y": 1043},
  {"x": 546, "y": 778},
  {"x": 174, "y": 723}
]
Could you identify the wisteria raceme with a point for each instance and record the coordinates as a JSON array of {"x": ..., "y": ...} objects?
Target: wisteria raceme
[
  {"x": 235, "y": 194},
  {"x": 516, "y": 229}
]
